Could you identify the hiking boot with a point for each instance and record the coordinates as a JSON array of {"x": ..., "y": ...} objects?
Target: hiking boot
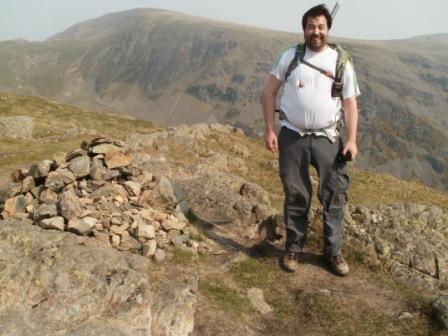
[
  {"x": 338, "y": 265},
  {"x": 290, "y": 261}
]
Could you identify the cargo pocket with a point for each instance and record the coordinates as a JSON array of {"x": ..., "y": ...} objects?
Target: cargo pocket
[
  {"x": 334, "y": 193},
  {"x": 338, "y": 179}
]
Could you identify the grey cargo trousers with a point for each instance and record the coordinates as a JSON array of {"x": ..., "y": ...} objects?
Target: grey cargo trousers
[{"x": 296, "y": 154}]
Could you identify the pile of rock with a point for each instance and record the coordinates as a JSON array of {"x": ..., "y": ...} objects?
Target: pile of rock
[{"x": 96, "y": 191}]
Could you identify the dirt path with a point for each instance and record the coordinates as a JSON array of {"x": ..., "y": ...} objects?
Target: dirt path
[{"x": 312, "y": 301}]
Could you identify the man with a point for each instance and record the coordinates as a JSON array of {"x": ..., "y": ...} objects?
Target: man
[{"x": 309, "y": 116}]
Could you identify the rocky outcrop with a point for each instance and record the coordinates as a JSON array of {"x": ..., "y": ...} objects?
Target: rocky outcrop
[
  {"x": 235, "y": 211},
  {"x": 16, "y": 127},
  {"x": 440, "y": 307},
  {"x": 173, "y": 306},
  {"x": 72, "y": 133},
  {"x": 410, "y": 240},
  {"x": 57, "y": 283},
  {"x": 182, "y": 134}
]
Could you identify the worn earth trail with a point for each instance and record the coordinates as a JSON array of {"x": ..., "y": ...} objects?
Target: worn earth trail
[{"x": 312, "y": 301}]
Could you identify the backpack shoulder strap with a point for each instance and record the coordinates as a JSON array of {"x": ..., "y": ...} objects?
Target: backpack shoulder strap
[
  {"x": 343, "y": 58},
  {"x": 299, "y": 54}
]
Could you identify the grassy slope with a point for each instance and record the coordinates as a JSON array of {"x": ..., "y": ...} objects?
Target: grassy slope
[{"x": 52, "y": 119}]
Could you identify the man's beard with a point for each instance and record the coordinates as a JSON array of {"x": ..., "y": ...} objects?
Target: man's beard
[{"x": 316, "y": 42}]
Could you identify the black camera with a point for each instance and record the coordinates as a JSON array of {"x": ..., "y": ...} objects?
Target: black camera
[
  {"x": 343, "y": 158},
  {"x": 336, "y": 89}
]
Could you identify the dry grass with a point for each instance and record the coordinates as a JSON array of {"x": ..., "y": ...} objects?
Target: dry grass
[
  {"x": 52, "y": 120},
  {"x": 371, "y": 189},
  {"x": 367, "y": 188}
]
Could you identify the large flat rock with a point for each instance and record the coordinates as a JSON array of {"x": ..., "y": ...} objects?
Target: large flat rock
[
  {"x": 233, "y": 209},
  {"x": 58, "y": 283}
]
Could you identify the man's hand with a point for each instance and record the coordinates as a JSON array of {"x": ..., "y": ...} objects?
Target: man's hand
[
  {"x": 270, "y": 140},
  {"x": 351, "y": 147},
  {"x": 268, "y": 103},
  {"x": 351, "y": 120}
]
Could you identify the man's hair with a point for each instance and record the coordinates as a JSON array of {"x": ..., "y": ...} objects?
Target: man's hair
[{"x": 315, "y": 12}]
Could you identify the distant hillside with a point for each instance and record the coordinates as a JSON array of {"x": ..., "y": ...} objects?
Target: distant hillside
[
  {"x": 172, "y": 68},
  {"x": 438, "y": 38}
]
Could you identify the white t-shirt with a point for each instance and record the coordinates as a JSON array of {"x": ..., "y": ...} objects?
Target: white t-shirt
[{"x": 306, "y": 101}]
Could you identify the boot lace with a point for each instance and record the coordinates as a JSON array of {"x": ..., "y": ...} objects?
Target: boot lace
[
  {"x": 337, "y": 260},
  {"x": 291, "y": 256}
]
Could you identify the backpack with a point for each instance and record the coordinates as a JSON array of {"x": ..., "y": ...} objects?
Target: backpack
[{"x": 341, "y": 63}]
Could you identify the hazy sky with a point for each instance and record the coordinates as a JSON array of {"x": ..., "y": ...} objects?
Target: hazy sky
[{"x": 360, "y": 19}]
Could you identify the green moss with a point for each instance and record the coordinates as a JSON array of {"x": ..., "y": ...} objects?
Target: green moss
[
  {"x": 226, "y": 298},
  {"x": 251, "y": 273}
]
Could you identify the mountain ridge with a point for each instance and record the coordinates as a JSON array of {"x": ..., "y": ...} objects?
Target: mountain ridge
[
  {"x": 173, "y": 69},
  {"x": 141, "y": 10}
]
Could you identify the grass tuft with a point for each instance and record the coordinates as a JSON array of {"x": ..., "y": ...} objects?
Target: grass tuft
[
  {"x": 227, "y": 298},
  {"x": 183, "y": 257},
  {"x": 251, "y": 273}
]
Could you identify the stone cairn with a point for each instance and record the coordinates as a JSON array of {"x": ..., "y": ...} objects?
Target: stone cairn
[{"x": 96, "y": 191}]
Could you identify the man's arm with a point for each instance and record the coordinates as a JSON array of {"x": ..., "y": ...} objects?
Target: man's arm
[
  {"x": 351, "y": 120},
  {"x": 268, "y": 102}
]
